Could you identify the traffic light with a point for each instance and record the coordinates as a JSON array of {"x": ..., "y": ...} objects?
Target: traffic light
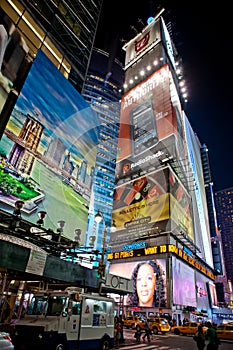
[{"x": 101, "y": 270}]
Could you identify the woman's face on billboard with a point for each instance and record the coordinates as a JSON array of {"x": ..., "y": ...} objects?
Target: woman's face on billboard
[{"x": 145, "y": 285}]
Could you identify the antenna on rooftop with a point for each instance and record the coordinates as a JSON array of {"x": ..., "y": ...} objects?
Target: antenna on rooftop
[{"x": 134, "y": 29}]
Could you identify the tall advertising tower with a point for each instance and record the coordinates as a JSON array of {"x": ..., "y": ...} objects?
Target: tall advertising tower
[{"x": 153, "y": 207}]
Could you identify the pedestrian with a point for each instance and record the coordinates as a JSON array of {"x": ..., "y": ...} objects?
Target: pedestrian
[
  {"x": 213, "y": 341},
  {"x": 199, "y": 337},
  {"x": 122, "y": 340},
  {"x": 147, "y": 332},
  {"x": 117, "y": 332},
  {"x": 137, "y": 335}
]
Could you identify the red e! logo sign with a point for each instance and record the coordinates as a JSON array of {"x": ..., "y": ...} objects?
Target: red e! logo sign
[{"x": 140, "y": 44}]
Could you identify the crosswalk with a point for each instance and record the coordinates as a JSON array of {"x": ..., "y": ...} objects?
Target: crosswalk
[{"x": 147, "y": 346}]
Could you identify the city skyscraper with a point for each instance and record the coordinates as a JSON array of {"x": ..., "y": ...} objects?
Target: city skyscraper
[
  {"x": 160, "y": 208},
  {"x": 221, "y": 282},
  {"x": 102, "y": 89},
  {"x": 224, "y": 209}
]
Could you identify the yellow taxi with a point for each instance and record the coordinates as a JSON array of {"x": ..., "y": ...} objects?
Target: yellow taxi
[
  {"x": 158, "y": 325},
  {"x": 225, "y": 331},
  {"x": 189, "y": 328},
  {"x": 134, "y": 322}
]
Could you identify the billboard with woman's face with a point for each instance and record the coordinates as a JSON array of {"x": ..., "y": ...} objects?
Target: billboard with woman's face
[
  {"x": 48, "y": 151},
  {"x": 149, "y": 282}
]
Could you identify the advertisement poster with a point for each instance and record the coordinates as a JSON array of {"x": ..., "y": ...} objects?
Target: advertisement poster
[
  {"x": 156, "y": 202},
  {"x": 150, "y": 125},
  {"x": 212, "y": 294},
  {"x": 142, "y": 205},
  {"x": 149, "y": 282},
  {"x": 184, "y": 289},
  {"x": 180, "y": 207},
  {"x": 36, "y": 263},
  {"x": 48, "y": 151}
]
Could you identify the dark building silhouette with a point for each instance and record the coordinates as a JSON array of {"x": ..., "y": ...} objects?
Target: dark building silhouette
[{"x": 224, "y": 208}]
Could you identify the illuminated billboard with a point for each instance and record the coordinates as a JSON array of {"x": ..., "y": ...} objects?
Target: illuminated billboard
[
  {"x": 212, "y": 294},
  {"x": 149, "y": 282},
  {"x": 202, "y": 292},
  {"x": 184, "y": 288},
  {"x": 151, "y": 130},
  {"x": 156, "y": 202},
  {"x": 143, "y": 42},
  {"x": 48, "y": 151},
  {"x": 180, "y": 207},
  {"x": 200, "y": 209}
]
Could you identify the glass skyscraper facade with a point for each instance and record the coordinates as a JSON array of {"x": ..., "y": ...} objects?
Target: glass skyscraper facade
[
  {"x": 224, "y": 206},
  {"x": 64, "y": 30},
  {"x": 102, "y": 89}
]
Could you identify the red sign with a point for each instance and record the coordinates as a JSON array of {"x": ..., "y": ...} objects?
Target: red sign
[{"x": 140, "y": 44}]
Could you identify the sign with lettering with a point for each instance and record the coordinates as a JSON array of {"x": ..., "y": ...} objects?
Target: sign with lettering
[
  {"x": 162, "y": 249},
  {"x": 118, "y": 283}
]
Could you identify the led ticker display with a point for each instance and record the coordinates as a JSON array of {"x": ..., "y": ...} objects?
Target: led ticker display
[{"x": 161, "y": 249}]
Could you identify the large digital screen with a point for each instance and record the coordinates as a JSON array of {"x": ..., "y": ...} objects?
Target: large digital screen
[
  {"x": 180, "y": 207},
  {"x": 212, "y": 294},
  {"x": 184, "y": 289},
  {"x": 202, "y": 292},
  {"x": 149, "y": 282},
  {"x": 141, "y": 206},
  {"x": 150, "y": 125},
  {"x": 156, "y": 202},
  {"x": 48, "y": 151}
]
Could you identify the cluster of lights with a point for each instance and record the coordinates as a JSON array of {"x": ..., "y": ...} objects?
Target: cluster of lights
[
  {"x": 142, "y": 73},
  {"x": 182, "y": 86},
  {"x": 155, "y": 63}
]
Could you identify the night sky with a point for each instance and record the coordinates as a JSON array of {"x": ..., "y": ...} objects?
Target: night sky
[{"x": 203, "y": 39}]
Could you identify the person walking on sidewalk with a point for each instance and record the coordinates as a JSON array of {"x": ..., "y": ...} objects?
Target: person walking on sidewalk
[
  {"x": 147, "y": 332},
  {"x": 213, "y": 341},
  {"x": 137, "y": 335},
  {"x": 199, "y": 337},
  {"x": 117, "y": 332}
]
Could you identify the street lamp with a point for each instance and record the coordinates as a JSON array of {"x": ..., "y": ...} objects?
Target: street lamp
[
  {"x": 60, "y": 229},
  {"x": 101, "y": 267},
  {"x": 18, "y": 207},
  {"x": 41, "y": 215},
  {"x": 98, "y": 219}
]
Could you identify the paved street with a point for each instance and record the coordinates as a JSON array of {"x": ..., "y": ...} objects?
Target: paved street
[{"x": 166, "y": 342}]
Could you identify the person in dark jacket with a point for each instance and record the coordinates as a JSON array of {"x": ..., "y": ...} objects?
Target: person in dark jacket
[
  {"x": 213, "y": 341},
  {"x": 147, "y": 332},
  {"x": 199, "y": 337}
]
